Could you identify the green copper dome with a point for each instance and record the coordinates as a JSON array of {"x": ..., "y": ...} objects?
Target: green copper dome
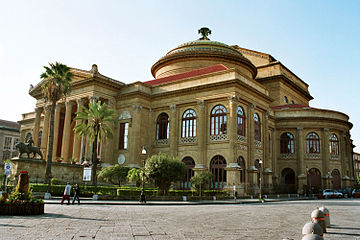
[{"x": 204, "y": 49}]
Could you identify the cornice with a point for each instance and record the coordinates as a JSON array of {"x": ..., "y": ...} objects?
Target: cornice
[
  {"x": 288, "y": 81},
  {"x": 189, "y": 55}
]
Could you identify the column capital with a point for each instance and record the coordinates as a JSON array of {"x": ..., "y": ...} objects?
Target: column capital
[
  {"x": 201, "y": 103},
  {"x": 267, "y": 113},
  {"x": 233, "y": 99},
  {"x": 94, "y": 98},
  {"x": 299, "y": 129},
  {"x": 58, "y": 107},
  {"x": 136, "y": 108},
  {"x": 172, "y": 107},
  {"x": 47, "y": 108},
  {"x": 38, "y": 110},
  {"x": 69, "y": 104},
  {"x": 80, "y": 101},
  {"x": 252, "y": 106},
  {"x": 111, "y": 103},
  {"x": 326, "y": 130}
]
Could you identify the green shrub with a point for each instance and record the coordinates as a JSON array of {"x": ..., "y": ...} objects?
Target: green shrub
[{"x": 55, "y": 181}]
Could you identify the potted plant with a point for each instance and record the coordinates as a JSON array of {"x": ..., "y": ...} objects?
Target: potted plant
[
  {"x": 73, "y": 160},
  {"x": 59, "y": 159}
]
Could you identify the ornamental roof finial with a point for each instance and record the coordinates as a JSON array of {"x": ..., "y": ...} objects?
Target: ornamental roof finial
[{"x": 204, "y": 32}]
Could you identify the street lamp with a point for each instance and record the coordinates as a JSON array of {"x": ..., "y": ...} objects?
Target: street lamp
[
  {"x": 260, "y": 163},
  {"x": 309, "y": 178},
  {"x": 142, "y": 195}
]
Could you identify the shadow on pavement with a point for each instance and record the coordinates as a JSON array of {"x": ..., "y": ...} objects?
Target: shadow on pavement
[
  {"x": 12, "y": 225},
  {"x": 56, "y": 215}
]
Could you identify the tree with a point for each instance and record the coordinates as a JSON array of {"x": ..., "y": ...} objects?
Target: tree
[
  {"x": 134, "y": 176},
  {"x": 358, "y": 179},
  {"x": 201, "y": 181},
  {"x": 95, "y": 124},
  {"x": 114, "y": 174},
  {"x": 56, "y": 84},
  {"x": 164, "y": 170}
]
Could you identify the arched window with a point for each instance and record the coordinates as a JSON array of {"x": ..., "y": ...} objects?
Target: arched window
[
  {"x": 240, "y": 121},
  {"x": 188, "y": 123},
  {"x": 217, "y": 166},
  {"x": 285, "y": 99},
  {"x": 334, "y": 144},
  {"x": 190, "y": 164},
  {"x": 312, "y": 143},
  {"x": 241, "y": 163},
  {"x": 28, "y": 136},
  {"x": 257, "y": 127},
  {"x": 218, "y": 120},
  {"x": 162, "y": 126},
  {"x": 39, "y": 138},
  {"x": 286, "y": 143}
]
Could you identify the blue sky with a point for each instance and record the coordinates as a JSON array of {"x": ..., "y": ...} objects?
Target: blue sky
[{"x": 317, "y": 40}]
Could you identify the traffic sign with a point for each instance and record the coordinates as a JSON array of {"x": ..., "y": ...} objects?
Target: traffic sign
[{"x": 7, "y": 167}]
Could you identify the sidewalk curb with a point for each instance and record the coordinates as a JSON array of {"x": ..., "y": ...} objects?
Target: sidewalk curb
[{"x": 178, "y": 203}]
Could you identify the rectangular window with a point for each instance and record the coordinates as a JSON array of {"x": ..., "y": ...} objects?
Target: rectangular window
[
  {"x": 6, "y": 155},
  {"x": 123, "y": 135},
  {"x": 7, "y": 143}
]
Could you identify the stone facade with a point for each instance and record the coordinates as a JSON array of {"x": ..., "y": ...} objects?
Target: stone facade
[
  {"x": 9, "y": 136},
  {"x": 222, "y": 108}
]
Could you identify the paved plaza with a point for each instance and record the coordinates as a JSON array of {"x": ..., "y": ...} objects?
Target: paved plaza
[{"x": 272, "y": 220}]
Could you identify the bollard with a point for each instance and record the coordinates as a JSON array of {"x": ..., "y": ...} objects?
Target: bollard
[
  {"x": 252, "y": 196},
  {"x": 312, "y": 237},
  {"x": 317, "y": 216},
  {"x": 312, "y": 228},
  {"x": 326, "y": 215},
  {"x": 278, "y": 196}
]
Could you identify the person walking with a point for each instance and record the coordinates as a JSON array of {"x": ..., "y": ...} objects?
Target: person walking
[
  {"x": 77, "y": 194},
  {"x": 66, "y": 195}
]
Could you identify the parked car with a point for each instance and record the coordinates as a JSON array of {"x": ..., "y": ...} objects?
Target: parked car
[
  {"x": 356, "y": 193},
  {"x": 329, "y": 193},
  {"x": 345, "y": 191}
]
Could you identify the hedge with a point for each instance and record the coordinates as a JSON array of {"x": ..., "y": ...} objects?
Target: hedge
[{"x": 125, "y": 191}]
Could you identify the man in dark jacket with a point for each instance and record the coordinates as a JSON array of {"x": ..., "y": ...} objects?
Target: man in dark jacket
[{"x": 77, "y": 194}]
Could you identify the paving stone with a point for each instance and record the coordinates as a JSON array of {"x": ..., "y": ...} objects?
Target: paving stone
[{"x": 201, "y": 222}]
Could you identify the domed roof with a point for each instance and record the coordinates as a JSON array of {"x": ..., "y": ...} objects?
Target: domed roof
[{"x": 204, "y": 48}]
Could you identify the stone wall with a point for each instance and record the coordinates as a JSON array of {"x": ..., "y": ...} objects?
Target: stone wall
[{"x": 36, "y": 169}]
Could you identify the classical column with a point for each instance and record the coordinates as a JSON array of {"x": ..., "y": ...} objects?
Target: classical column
[
  {"x": 343, "y": 154},
  {"x": 201, "y": 134},
  {"x": 77, "y": 139},
  {"x": 135, "y": 143},
  {"x": 325, "y": 152},
  {"x": 173, "y": 130},
  {"x": 251, "y": 143},
  {"x": 232, "y": 128},
  {"x": 108, "y": 149},
  {"x": 56, "y": 130},
  {"x": 45, "y": 133},
  {"x": 299, "y": 150},
  {"x": 66, "y": 131},
  {"x": 37, "y": 125},
  {"x": 266, "y": 141}
]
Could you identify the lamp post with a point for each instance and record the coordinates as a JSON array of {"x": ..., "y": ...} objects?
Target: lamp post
[
  {"x": 142, "y": 195},
  {"x": 309, "y": 176},
  {"x": 260, "y": 163}
]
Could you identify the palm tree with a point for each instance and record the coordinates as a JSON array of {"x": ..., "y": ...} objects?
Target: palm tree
[
  {"x": 56, "y": 84},
  {"x": 95, "y": 124}
]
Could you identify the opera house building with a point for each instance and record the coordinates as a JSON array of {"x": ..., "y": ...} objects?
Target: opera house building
[{"x": 238, "y": 113}]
